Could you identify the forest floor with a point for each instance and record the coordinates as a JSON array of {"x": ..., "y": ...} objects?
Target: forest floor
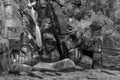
[{"x": 93, "y": 74}]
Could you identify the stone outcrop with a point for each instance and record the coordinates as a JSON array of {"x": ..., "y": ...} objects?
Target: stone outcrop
[{"x": 89, "y": 21}]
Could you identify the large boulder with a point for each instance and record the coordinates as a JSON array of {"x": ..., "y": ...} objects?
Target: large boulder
[{"x": 86, "y": 62}]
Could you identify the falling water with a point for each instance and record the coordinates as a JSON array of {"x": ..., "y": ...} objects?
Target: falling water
[
  {"x": 37, "y": 29},
  {"x": 38, "y": 36}
]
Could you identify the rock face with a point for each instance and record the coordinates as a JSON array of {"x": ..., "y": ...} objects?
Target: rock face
[
  {"x": 77, "y": 19},
  {"x": 109, "y": 58},
  {"x": 111, "y": 55}
]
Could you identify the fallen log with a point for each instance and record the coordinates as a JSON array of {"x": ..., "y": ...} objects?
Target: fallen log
[{"x": 56, "y": 66}]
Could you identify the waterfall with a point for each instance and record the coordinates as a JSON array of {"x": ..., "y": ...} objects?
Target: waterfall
[
  {"x": 38, "y": 36},
  {"x": 37, "y": 29}
]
